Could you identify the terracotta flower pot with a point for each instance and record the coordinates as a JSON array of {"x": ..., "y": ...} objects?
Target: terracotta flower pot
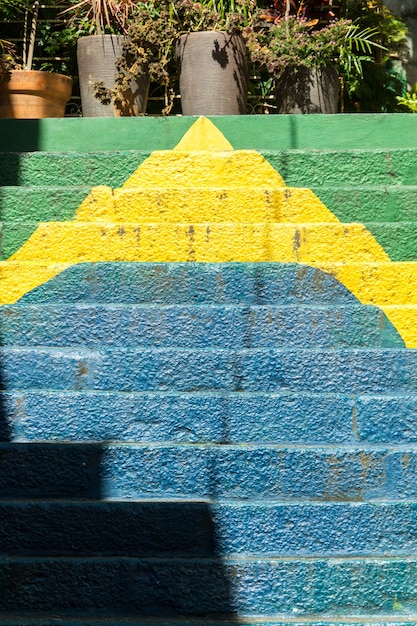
[
  {"x": 34, "y": 94},
  {"x": 214, "y": 73},
  {"x": 302, "y": 90}
]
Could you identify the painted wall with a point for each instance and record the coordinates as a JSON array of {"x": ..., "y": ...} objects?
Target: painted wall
[{"x": 209, "y": 373}]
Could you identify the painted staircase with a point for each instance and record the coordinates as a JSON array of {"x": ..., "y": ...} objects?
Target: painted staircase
[{"x": 208, "y": 413}]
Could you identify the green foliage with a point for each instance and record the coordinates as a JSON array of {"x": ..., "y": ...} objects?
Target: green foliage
[
  {"x": 60, "y": 45},
  {"x": 43, "y": 34},
  {"x": 149, "y": 45},
  {"x": 382, "y": 80},
  {"x": 296, "y": 42},
  {"x": 391, "y": 29},
  {"x": 408, "y": 103}
]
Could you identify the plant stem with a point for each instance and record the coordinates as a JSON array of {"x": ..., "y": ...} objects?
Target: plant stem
[
  {"x": 287, "y": 9},
  {"x": 96, "y": 12},
  {"x": 32, "y": 35}
]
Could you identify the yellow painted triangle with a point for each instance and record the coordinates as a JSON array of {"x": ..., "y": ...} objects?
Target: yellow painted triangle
[
  {"x": 203, "y": 135},
  {"x": 204, "y": 158}
]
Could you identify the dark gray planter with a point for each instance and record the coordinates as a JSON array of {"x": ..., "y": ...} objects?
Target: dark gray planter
[
  {"x": 214, "y": 73},
  {"x": 308, "y": 91},
  {"x": 96, "y": 56}
]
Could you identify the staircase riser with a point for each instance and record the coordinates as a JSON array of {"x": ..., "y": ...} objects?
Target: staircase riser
[
  {"x": 198, "y": 530},
  {"x": 76, "y": 242},
  {"x": 189, "y": 327},
  {"x": 298, "y": 168},
  {"x": 138, "y": 620},
  {"x": 370, "y": 204},
  {"x": 355, "y": 587},
  {"x": 294, "y": 418},
  {"x": 123, "y": 471},
  {"x": 398, "y": 240},
  {"x": 359, "y": 167},
  {"x": 69, "y": 169},
  {"x": 47, "y": 204},
  {"x": 209, "y": 418},
  {"x": 122, "y": 369},
  {"x": 192, "y": 283}
]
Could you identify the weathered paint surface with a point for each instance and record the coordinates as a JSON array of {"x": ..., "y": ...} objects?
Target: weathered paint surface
[
  {"x": 190, "y": 436},
  {"x": 151, "y": 219}
]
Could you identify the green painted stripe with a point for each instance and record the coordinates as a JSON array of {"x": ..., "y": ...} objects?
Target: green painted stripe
[
  {"x": 13, "y": 236},
  {"x": 398, "y": 240},
  {"x": 69, "y": 169},
  {"x": 359, "y": 168},
  {"x": 259, "y": 132},
  {"x": 370, "y": 204},
  {"x": 41, "y": 204},
  {"x": 92, "y": 134}
]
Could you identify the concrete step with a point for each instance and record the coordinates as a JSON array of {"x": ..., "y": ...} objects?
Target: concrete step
[
  {"x": 68, "y": 169},
  {"x": 196, "y": 283},
  {"x": 139, "y": 620},
  {"x": 218, "y": 204},
  {"x": 217, "y": 418},
  {"x": 397, "y": 239},
  {"x": 299, "y": 168},
  {"x": 75, "y": 242},
  {"x": 365, "y": 203},
  {"x": 46, "y": 203},
  {"x": 203, "y": 530},
  {"x": 120, "y": 471},
  {"x": 208, "y": 589},
  {"x": 196, "y": 326},
  {"x": 355, "y": 371}
]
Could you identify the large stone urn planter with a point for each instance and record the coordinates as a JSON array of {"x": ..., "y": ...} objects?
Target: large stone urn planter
[
  {"x": 32, "y": 94},
  {"x": 214, "y": 73},
  {"x": 303, "y": 90},
  {"x": 96, "y": 56}
]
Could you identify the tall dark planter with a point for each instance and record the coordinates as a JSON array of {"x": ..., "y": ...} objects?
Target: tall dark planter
[
  {"x": 308, "y": 91},
  {"x": 214, "y": 73},
  {"x": 96, "y": 56}
]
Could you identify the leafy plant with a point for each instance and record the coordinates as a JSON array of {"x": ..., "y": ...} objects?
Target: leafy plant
[
  {"x": 381, "y": 83},
  {"x": 408, "y": 103},
  {"x": 149, "y": 43},
  {"x": 99, "y": 17},
  {"x": 7, "y": 61},
  {"x": 295, "y": 42},
  {"x": 45, "y": 37},
  {"x": 390, "y": 28}
]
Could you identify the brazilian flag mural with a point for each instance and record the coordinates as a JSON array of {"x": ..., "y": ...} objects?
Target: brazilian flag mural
[
  {"x": 173, "y": 209},
  {"x": 208, "y": 396}
]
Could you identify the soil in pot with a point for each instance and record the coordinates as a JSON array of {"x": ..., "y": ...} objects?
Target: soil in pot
[
  {"x": 308, "y": 91},
  {"x": 96, "y": 56},
  {"x": 214, "y": 73}
]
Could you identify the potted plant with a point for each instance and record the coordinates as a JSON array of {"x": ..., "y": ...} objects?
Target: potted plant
[
  {"x": 25, "y": 92},
  {"x": 147, "y": 53},
  {"x": 310, "y": 58},
  {"x": 205, "y": 43},
  {"x": 212, "y": 57},
  {"x": 100, "y": 27}
]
